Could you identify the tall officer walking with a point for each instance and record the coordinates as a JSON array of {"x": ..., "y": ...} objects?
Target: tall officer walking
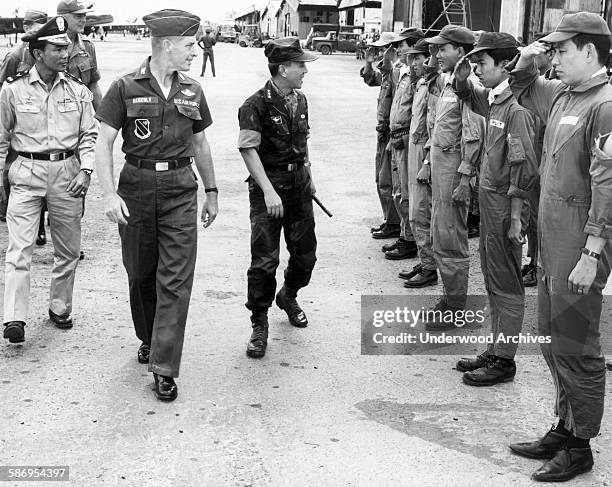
[{"x": 162, "y": 115}]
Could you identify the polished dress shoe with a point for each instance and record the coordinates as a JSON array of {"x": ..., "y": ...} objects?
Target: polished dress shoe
[
  {"x": 546, "y": 447},
  {"x": 41, "y": 239},
  {"x": 495, "y": 371},
  {"x": 423, "y": 278},
  {"x": 144, "y": 351},
  {"x": 404, "y": 250},
  {"x": 256, "y": 348},
  {"x": 14, "y": 331},
  {"x": 61, "y": 321},
  {"x": 565, "y": 465},
  {"x": 165, "y": 388},
  {"x": 468, "y": 364},
  {"x": 289, "y": 305},
  {"x": 388, "y": 231},
  {"x": 389, "y": 247}
]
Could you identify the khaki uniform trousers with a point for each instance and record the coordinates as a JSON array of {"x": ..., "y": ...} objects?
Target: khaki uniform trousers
[{"x": 31, "y": 181}]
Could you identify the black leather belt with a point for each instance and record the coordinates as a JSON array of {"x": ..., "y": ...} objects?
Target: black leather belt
[
  {"x": 159, "y": 164},
  {"x": 285, "y": 167},
  {"x": 42, "y": 156}
]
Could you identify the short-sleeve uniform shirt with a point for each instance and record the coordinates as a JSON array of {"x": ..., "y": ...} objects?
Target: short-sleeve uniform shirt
[{"x": 153, "y": 126}]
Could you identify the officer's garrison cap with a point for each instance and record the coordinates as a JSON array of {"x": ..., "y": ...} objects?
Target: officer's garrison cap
[
  {"x": 172, "y": 23},
  {"x": 53, "y": 32}
]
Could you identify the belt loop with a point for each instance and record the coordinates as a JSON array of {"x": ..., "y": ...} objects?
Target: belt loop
[{"x": 139, "y": 163}]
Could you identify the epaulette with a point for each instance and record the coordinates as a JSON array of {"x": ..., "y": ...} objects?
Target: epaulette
[
  {"x": 20, "y": 74},
  {"x": 73, "y": 77}
]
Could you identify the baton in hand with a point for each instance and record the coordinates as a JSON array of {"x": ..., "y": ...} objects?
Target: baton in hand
[{"x": 321, "y": 205}]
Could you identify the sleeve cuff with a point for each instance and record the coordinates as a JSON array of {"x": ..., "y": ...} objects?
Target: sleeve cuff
[
  {"x": 466, "y": 169},
  {"x": 249, "y": 139},
  {"x": 516, "y": 192},
  {"x": 598, "y": 229}
]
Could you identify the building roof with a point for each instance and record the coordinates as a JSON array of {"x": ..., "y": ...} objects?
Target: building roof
[
  {"x": 295, "y": 4},
  {"x": 344, "y": 4},
  {"x": 271, "y": 8}
]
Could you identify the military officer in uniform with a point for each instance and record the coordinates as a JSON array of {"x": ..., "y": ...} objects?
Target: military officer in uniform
[
  {"x": 45, "y": 116},
  {"x": 162, "y": 115},
  {"x": 206, "y": 43},
  {"x": 82, "y": 62},
  {"x": 273, "y": 143},
  {"x": 574, "y": 232}
]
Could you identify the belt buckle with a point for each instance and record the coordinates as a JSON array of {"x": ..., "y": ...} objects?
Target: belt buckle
[
  {"x": 55, "y": 157},
  {"x": 161, "y": 166}
]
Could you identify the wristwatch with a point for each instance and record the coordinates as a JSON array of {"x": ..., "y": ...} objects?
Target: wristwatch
[
  {"x": 590, "y": 253},
  {"x": 87, "y": 171}
]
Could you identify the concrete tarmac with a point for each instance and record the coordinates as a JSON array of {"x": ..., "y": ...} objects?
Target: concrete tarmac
[{"x": 314, "y": 411}]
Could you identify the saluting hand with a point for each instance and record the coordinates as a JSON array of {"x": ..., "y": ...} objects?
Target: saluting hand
[
  {"x": 274, "y": 204},
  {"x": 210, "y": 210},
  {"x": 534, "y": 49},
  {"x": 115, "y": 209},
  {"x": 463, "y": 69},
  {"x": 370, "y": 54},
  {"x": 79, "y": 185}
]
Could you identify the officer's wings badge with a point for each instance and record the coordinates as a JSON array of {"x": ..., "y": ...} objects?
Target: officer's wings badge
[
  {"x": 142, "y": 128},
  {"x": 187, "y": 92}
]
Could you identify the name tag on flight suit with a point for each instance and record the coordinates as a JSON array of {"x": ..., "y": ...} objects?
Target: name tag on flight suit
[
  {"x": 497, "y": 123},
  {"x": 569, "y": 120}
]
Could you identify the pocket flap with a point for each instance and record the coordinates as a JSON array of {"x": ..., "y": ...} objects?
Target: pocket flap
[
  {"x": 144, "y": 110},
  {"x": 190, "y": 112}
]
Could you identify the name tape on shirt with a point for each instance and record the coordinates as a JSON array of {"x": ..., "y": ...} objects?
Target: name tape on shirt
[
  {"x": 144, "y": 99},
  {"x": 569, "y": 120},
  {"x": 497, "y": 123},
  {"x": 189, "y": 103},
  {"x": 449, "y": 99}
]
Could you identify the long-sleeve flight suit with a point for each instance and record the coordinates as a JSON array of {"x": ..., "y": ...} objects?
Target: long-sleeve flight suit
[
  {"x": 382, "y": 164},
  {"x": 456, "y": 146},
  {"x": 575, "y": 201},
  {"x": 508, "y": 170}
]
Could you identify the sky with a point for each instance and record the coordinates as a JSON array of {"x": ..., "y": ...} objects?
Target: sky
[{"x": 214, "y": 10}]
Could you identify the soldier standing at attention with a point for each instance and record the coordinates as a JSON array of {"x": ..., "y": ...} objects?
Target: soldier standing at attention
[
  {"x": 273, "y": 143},
  {"x": 82, "y": 61},
  {"x": 45, "y": 116},
  {"x": 162, "y": 115},
  {"x": 206, "y": 43},
  {"x": 574, "y": 232}
]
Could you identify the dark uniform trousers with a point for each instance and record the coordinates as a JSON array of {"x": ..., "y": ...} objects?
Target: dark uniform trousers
[
  {"x": 298, "y": 225},
  {"x": 206, "y": 55},
  {"x": 159, "y": 246}
]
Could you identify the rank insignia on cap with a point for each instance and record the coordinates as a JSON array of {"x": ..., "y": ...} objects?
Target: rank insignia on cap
[{"x": 61, "y": 25}]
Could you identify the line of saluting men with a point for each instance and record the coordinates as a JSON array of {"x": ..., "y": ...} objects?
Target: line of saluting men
[
  {"x": 443, "y": 121},
  {"x": 50, "y": 139}
]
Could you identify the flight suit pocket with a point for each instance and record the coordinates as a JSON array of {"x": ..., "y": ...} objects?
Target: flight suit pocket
[
  {"x": 85, "y": 71},
  {"x": 183, "y": 128}
]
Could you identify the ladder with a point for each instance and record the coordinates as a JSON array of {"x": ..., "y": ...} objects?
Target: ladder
[{"x": 455, "y": 12}]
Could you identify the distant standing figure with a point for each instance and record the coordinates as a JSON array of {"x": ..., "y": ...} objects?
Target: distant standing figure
[{"x": 206, "y": 43}]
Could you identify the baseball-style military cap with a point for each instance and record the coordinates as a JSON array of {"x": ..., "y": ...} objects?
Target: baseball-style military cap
[
  {"x": 73, "y": 7},
  {"x": 494, "y": 40},
  {"x": 453, "y": 34},
  {"x": 385, "y": 39},
  {"x": 411, "y": 34},
  {"x": 53, "y": 32},
  {"x": 421, "y": 47},
  {"x": 170, "y": 22},
  {"x": 581, "y": 23},
  {"x": 35, "y": 17},
  {"x": 287, "y": 49}
]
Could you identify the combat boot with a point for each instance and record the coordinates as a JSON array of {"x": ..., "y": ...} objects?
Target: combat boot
[
  {"x": 440, "y": 317},
  {"x": 529, "y": 273},
  {"x": 390, "y": 246},
  {"x": 256, "y": 348},
  {"x": 404, "y": 250},
  {"x": 469, "y": 364},
  {"x": 424, "y": 278},
  {"x": 546, "y": 447},
  {"x": 285, "y": 300},
  {"x": 387, "y": 231},
  {"x": 495, "y": 371}
]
